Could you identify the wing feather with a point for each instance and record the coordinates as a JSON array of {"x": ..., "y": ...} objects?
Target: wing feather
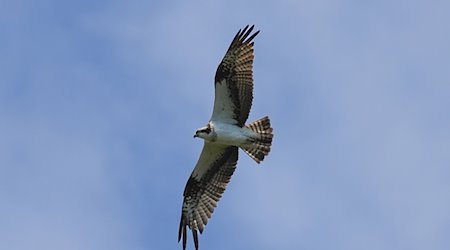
[
  {"x": 234, "y": 80},
  {"x": 205, "y": 187}
]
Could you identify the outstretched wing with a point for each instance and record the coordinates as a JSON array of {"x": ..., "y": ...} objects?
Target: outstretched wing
[
  {"x": 234, "y": 80},
  {"x": 205, "y": 187}
]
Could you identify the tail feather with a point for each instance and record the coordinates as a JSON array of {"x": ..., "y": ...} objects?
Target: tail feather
[{"x": 259, "y": 146}]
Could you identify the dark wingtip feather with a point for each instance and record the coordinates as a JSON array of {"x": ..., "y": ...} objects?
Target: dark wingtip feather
[
  {"x": 253, "y": 36},
  {"x": 181, "y": 227},
  {"x": 247, "y": 32},
  {"x": 235, "y": 39},
  {"x": 195, "y": 235},
  {"x": 184, "y": 237},
  {"x": 241, "y": 36},
  {"x": 245, "y": 29}
]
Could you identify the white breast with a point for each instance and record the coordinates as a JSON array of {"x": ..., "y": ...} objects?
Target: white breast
[{"x": 230, "y": 134}]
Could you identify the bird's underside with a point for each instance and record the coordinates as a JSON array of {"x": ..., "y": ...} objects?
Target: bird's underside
[{"x": 224, "y": 135}]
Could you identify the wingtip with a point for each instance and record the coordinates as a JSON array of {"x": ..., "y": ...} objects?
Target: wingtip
[
  {"x": 182, "y": 232},
  {"x": 195, "y": 236},
  {"x": 244, "y": 36},
  {"x": 184, "y": 238},
  {"x": 251, "y": 28},
  {"x": 180, "y": 229}
]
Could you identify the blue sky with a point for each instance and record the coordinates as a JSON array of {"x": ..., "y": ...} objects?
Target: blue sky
[{"x": 99, "y": 102}]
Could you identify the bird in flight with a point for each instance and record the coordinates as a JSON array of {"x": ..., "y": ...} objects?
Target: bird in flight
[{"x": 224, "y": 134}]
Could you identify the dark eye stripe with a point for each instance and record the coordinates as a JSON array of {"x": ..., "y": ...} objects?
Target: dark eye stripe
[{"x": 206, "y": 130}]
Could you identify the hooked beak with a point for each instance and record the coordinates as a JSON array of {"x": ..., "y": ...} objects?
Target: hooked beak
[{"x": 195, "y": 136}]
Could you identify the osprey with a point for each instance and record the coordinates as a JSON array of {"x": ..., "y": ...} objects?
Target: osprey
[{"x": 224, "y": 134}]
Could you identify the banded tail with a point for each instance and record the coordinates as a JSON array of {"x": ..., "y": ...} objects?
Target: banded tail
[{"x": 260, "y": 145}]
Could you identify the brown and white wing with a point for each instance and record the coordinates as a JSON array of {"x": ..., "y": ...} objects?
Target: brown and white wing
[
  {"x": 205, "y": 187},
  {"x": 234, "y": 80}
]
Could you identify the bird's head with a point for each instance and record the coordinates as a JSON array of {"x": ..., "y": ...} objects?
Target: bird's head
[{"x": 206, "y": 133}]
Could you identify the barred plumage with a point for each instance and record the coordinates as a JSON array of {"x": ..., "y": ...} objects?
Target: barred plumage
[{"x": 260, "y": 146}]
